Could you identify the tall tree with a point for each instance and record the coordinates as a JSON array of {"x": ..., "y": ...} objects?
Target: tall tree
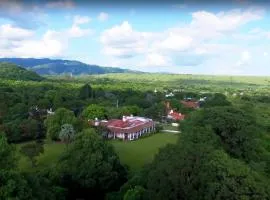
[
  {"x": 94, "y": 111},
  {"x": 54, "y": 122},
  {"x": 7, "y": 154},
  {"x": 67, "y": 134},
  {"x": 86, "y": 92},
  {"x": 90, "y": 167},
  {"x": 12, "y": 184}
]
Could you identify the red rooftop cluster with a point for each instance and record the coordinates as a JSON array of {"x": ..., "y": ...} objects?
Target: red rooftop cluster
[{"x": 175, "y": 115}]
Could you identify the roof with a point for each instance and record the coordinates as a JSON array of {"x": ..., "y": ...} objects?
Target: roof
[
  {"x": 129, "y": 125},
  {"x": 176, "y": 116},
  {"x": 190, "y": 104}
]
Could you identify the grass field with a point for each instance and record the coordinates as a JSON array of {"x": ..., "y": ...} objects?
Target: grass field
[
  {"x": 185, "y": 78},
  {"x": 137, "y": 153},
  {"x": 49, "y": 157},
  {"x": 134, "y": 153}
]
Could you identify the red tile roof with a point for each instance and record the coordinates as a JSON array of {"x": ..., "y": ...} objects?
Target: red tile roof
[
  {"x": 176, "y": 116},
  {"x": 131, "y": 125}
]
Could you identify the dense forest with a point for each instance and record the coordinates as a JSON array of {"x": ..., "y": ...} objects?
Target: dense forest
[{"x": 222, "y": 152}]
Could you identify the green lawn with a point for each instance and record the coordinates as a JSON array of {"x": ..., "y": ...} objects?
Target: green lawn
[
  {"x": 137, "y": 153},
  {"x": 49, "y": 157},
  {"x": 133, "y": 153}
]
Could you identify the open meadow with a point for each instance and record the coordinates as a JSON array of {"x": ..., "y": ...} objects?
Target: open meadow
[{"x": 134, "y": 154}]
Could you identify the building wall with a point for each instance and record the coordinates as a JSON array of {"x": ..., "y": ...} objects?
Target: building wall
[{"x": 131, "y": 136}]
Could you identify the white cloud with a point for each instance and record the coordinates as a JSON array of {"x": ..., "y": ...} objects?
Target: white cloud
[
  {"x": 122, "y": 41},
  {"x": 175, "y": 42},
  {"x": 21, "y": 42},
  {"x": 265, "y": 54},
  {"x": 9, "y": 32},
  {"x": 185, "y": 45},
  {"x": 244, "y": 59},
  {"x": 103, "y": 16},
  {"x": 81, "y": 19},
  {"x": 224, "y": 21},
  {"x": 155, "y": 60},
  {"x": 75, "y": 31},
  {"x": 47, "y": 46}
]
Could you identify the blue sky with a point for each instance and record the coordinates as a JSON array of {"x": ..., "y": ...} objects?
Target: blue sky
[{"x": 231, "y": 38}]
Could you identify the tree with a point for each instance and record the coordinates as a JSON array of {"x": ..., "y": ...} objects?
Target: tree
[
  {"x": 12, "y": 185},
  {"x": 136, "y": 193},
  {"x": 137, "y": 100},
  {"x": 130, "y": 110},
  {"x": 23, "y": 186},
  {"x": 54, "y": 122},
  {"x": 32, "y": 150},
  {"x": 67, "y": 134},
  {"x": 13, "y": 131},
  {"x": 175, "y": 104},
  {"x": 198, "y": 168},
  {"x": 18, "y": 111},
  {"x": 232, "y": 179},
  {"x": 90, "y": 167},
  {"x": 30, "y": 129},
  {"x": 156, "y": 111},
  {"x": 93, "y": 111},
  {"x": 201, "y": 165},
  {"x": 7, "y": 154},
  {"x": 216, "y": 100},
  {"x": 86, "y": 92},
  {"x": 236, "y": 129},
  {"x": 43, "y": 186}
]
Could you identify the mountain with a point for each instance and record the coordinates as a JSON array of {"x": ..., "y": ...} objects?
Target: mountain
[
  {"x": 57, "y": 66},
  {"x": 12, "y": 71}
]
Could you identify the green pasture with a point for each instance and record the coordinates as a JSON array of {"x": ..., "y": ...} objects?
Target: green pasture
[{"x": 132, "y": 153}]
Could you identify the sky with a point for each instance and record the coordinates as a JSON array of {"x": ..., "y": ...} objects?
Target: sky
[{"x": 203, "y": 37}]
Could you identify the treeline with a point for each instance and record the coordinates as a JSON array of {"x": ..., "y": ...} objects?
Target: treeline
[
  {"x": 88, "y": 169},
  {"x": 23, "y": 109},
  {"x": 223, "y": 151},
  {"x": 220, "y": 155}
]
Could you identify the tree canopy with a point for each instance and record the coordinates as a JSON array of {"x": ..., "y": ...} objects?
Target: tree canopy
[
  {"x": 94, "y": 111},
  {"x": 60, "y": 117},
  {"x": 90, "y": 166}
]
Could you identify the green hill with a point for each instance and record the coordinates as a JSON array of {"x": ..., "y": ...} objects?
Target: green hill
[
  {"x": 47, "y": 66},
  {"x": 12, "y": 71}
]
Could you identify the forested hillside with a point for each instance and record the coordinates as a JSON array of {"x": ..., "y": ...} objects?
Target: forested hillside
[
  {"x": 56, "y": 67},
  {"x": 12, "y": 71}
]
